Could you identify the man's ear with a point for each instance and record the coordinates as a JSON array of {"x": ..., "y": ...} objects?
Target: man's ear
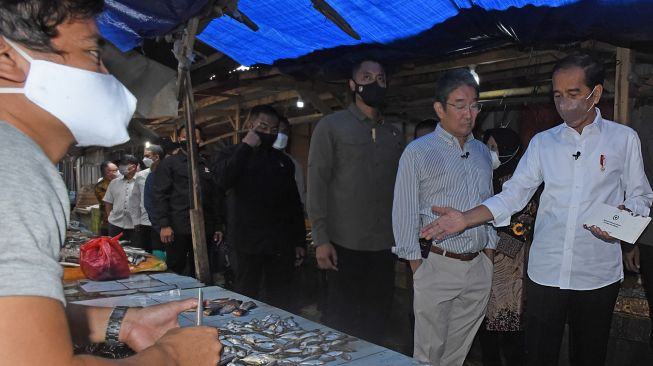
[
  {"x": 597, "y": 94},
  {"x": 352, "y": 85},
  {"x": 13, "y": 67},
  {"x": 439, "y": 110}
]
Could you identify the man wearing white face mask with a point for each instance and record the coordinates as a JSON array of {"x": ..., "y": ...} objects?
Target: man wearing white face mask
[
  {"x": 574, "y": 272},
  {"x": 52, "y": 79},
  {"x": 280, "y": 144},
  {"x": 122, "y": 201}
]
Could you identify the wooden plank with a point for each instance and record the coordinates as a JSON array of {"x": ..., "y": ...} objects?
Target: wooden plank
[
  {"x": 208, "y": 60},
  {"x": 622, "y": 85}
]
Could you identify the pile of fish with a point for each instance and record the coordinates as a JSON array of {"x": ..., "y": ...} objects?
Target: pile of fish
[
  {"x": 225, "y": 306},
  {"x": 273, "y": 341},
  {"x": 135, "y": 256}
]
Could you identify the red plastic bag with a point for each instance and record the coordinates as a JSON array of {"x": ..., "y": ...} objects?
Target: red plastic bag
[{"x": 103, "y": 259}]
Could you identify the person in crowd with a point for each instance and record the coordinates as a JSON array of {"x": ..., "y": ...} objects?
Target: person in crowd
[
  {"x": 424, "y": 127},
  {"x": 158, "y": 154},
  {"x": 639, "y": 258},
  {"x": 502, "y": 333},
  {"x": 171, "y": 205},
  {"x": 264, "y": 214},
  {"x": 574, "y": 271},
  {"x": 122, "y": 201},
  {"x": 451, "y": 277},
  {"x": 109, "y": 172},
  {"x": 51, "y": 80},
  {"x": 352, "y": 166},
  {"x": 281, "y": 144},
  {"x": 151, "y": 157}
]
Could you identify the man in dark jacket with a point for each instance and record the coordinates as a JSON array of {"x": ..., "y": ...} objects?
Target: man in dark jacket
[
  {"x": 265, "y": 221},
  {"x": 171, "y": 206}
]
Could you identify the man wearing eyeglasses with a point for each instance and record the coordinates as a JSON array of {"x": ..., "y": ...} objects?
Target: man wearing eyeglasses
[
  {"x": 451, "y": 277},
  {"x": 265, "y": 216}
]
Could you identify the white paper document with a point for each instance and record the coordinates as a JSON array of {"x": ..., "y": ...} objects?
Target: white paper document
[{"x": 622, "y": 225}]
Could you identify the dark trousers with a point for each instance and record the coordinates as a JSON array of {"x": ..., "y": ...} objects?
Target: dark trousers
[
  {"x": 180, "y": 255},
  {"x": 495, "y": 344},
  {"x": 646, "y": 269},
  {"x": 144, "y": 238},
  {"x": 128, "y": 234},
  {"x": 267, "y": 278},
  {"x": 155, "y": 239},
  {"x": 589, "y": 314},
  {"x": 360, "y": 293}
]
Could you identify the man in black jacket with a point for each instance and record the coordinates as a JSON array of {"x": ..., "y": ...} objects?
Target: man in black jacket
[
  {"x": 265, "y": 221},
  {"x": 171, "y": 206}
]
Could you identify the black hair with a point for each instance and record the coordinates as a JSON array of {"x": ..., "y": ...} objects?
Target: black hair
[
  {"x": 594, "y": 70},
  {"x": 266, "y": 109},
  {"x": 198, "y": 128},
  {"x": 357, "y": 65},
  {"x": 452, "y": 80},
  {"x": 33, "y": 23},
  {"x": 426, "y": 124},
  {"x": 104, "y": 166},
  {"x": 129, "y": 159}
]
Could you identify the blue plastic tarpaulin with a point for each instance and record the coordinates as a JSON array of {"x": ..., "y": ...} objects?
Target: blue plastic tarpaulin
[{"x": 291, "y": 29}]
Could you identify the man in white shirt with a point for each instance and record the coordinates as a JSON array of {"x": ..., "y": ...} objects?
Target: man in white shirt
[
  {"x": 122, "y": 201},
  {"x": 574, "y": 271}
]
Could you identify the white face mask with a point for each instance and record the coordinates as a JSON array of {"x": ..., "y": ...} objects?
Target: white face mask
[
  {"x": 148, "y": 162},
  {"x": 95, "y": 107},
  {"x": 281, "y": 142},
  {"x": 123, "y": 169},
  {"x": 495, "y": 159}
]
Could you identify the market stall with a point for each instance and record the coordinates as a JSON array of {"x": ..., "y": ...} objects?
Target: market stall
[{"x": 327, "y": 346}]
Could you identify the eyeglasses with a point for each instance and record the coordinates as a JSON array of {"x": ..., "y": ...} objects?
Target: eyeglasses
[{"x": 473, "y": 107}]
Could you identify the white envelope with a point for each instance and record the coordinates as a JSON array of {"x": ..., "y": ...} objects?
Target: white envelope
[{"x": 622, "y": 225}]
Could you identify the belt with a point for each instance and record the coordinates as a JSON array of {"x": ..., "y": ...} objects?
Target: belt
[{"x": 460, "y": 256}]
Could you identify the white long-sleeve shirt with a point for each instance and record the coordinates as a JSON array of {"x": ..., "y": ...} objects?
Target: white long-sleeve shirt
[{"x": 608, "y": 170}]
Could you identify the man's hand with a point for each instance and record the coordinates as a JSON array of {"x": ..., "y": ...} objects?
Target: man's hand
[
  {"x": 326, "y": 256},
  {"x": 218, "y": 236},
  {"x": 300, "y": 253},
  {"x": 192, "y": 346},
  {"x": 142, "y": 327},
  {"x": 414, "y": 264},
  {"x": 252, "y": 139},
  {"x": 630, "y": 257},
  {"x": 167, "y": 235},
  {"x": 451, "y": 221},
  {"x": 596, "y": 231},
  {"x": 603, "y": 235}
]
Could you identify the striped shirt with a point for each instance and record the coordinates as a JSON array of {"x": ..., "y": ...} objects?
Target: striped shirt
[{"x": 435, "y": 171}]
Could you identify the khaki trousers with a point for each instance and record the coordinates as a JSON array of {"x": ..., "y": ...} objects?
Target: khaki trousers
[{"x": 450, "y": 301}]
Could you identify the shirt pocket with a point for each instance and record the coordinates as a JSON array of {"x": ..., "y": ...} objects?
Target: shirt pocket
[{"x": 354, "y": 148}]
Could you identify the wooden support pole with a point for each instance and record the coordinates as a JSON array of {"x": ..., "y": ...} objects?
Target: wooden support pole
[
  {"x": 622, "y": 85},
  {"x": 237, "y": 125},
  {"x": 198, "y": 230}
]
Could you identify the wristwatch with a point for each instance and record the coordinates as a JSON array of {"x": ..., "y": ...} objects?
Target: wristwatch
[{"x": 113, "y": 327}]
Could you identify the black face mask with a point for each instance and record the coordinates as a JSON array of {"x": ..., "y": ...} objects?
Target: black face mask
[
  {"x": 267, "y": 139},
  {"x": 372, "y": 94}
]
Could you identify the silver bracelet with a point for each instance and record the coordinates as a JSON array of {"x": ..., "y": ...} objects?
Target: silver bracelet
[{"x": 113, "y": 327}]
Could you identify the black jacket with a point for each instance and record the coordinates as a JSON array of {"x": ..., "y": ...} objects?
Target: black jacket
[
  {"x": 264, "y": 212},
  {"x": 171, "y": 195}
]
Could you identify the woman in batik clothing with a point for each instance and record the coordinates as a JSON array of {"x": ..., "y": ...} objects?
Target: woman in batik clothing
[{"x": 501, "y": 335}]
